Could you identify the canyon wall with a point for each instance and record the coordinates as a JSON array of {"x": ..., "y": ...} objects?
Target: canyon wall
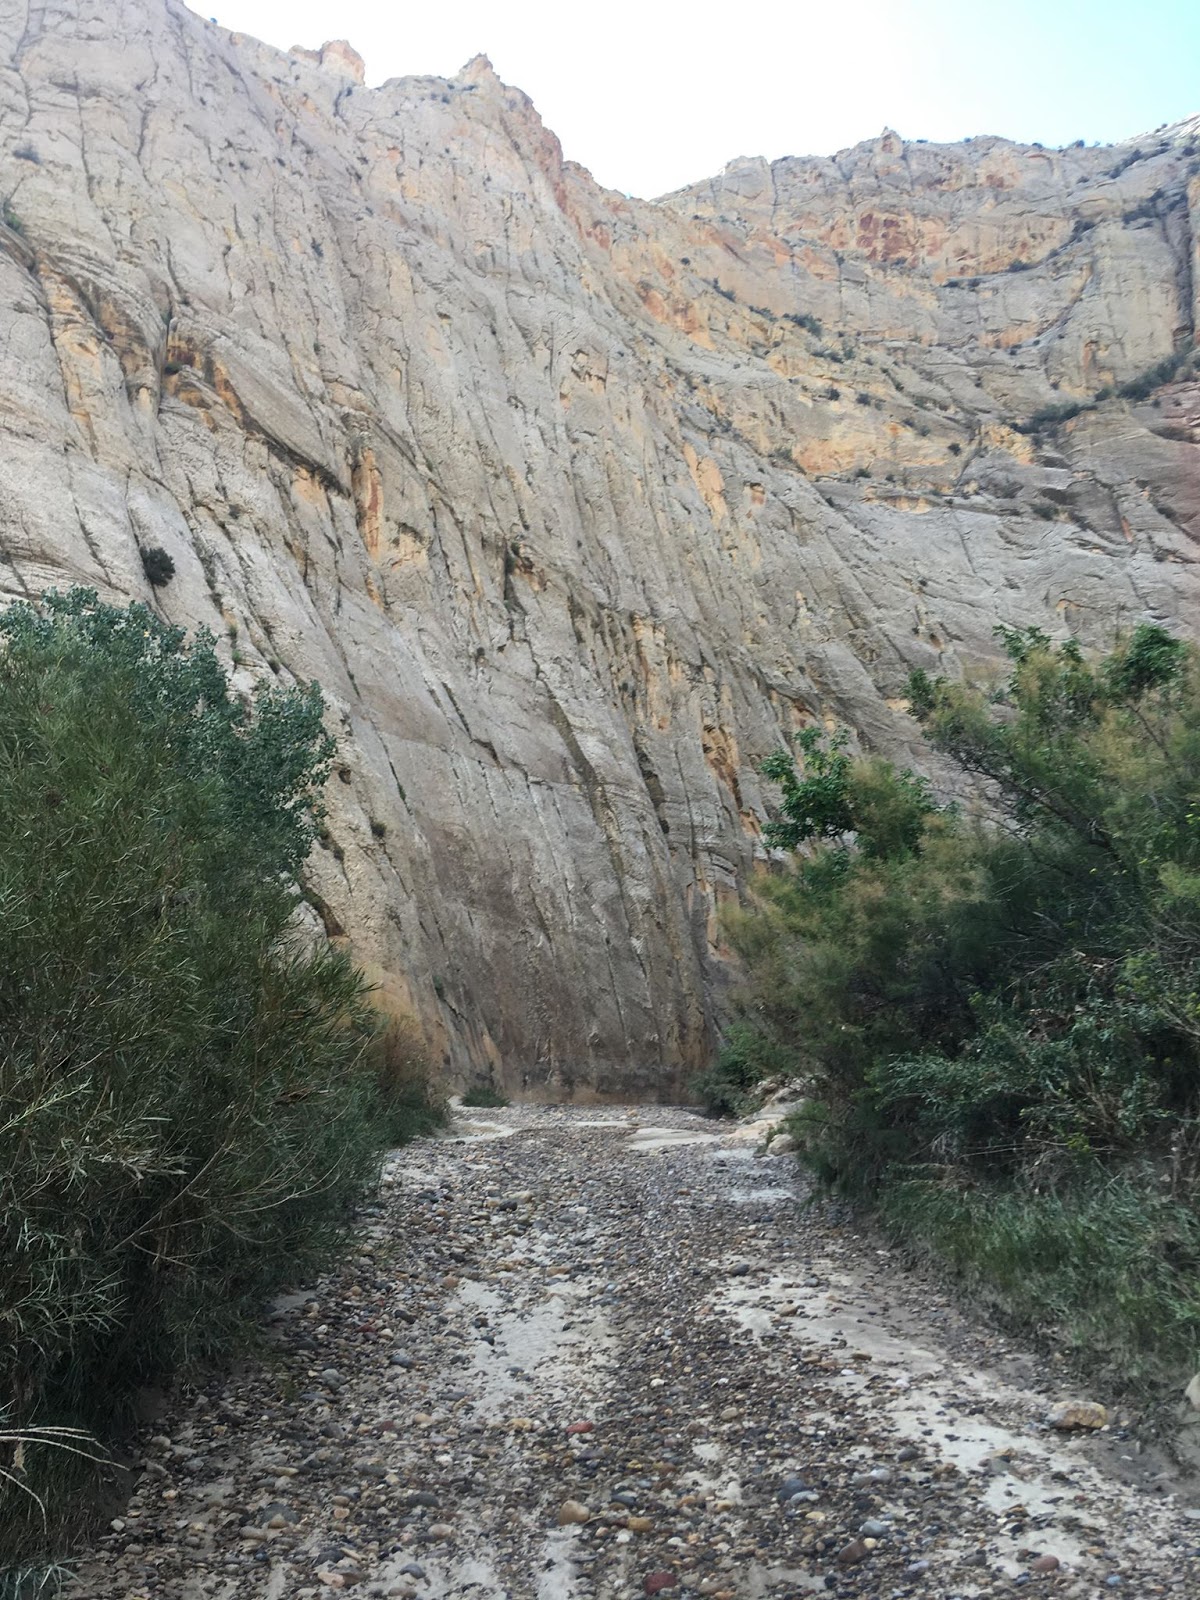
[{"x": 575, "y": 505}]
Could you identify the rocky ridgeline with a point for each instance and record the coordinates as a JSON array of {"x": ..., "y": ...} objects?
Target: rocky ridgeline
[
  {"x": 583, "y": 1356},
  {"x": 575, "y": 504}
]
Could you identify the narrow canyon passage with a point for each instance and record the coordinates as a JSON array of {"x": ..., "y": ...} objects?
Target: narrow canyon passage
[{"x": 589, "y": 1355}]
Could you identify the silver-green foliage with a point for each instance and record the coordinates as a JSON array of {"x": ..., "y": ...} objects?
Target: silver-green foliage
[
  {"x": 187, "y": 1106},
  {"x": 999, "y": 1010}
]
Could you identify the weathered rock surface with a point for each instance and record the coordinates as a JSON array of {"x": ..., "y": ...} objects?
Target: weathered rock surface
[{"x": 568, "y": 513}]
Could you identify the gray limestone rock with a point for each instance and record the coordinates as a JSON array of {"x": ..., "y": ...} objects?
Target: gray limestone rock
[{"x": 575, "y": 505}]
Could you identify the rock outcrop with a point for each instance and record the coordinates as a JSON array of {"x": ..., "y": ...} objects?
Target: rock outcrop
[{"x": 575, "y": 505}]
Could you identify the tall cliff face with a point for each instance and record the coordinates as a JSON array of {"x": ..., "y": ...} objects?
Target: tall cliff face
[{"x": 574, "y": 505}]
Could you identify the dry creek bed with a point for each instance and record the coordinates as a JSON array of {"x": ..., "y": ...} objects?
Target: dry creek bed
[{"x": 590, "y": 1355}]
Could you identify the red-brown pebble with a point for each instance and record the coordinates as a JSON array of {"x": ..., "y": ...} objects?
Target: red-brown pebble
[{"x": 656, "y": 1582}]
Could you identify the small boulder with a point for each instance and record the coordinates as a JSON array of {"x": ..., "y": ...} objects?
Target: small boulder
[
  {"x": 1072, "y": 1415},
  {"x": 572, "y": 1511}
]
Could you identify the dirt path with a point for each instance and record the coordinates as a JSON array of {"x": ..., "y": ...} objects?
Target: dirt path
[{"x": 626, "y": 1318}]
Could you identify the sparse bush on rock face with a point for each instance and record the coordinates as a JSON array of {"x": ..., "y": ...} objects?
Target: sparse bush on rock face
[
  {"x": 190, "y": 1102},
  {"x": 999, "y": 1017},
  {"x": 158, "y": 566}
]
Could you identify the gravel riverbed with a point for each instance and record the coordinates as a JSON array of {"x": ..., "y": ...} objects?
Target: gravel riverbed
[{"x": 594, "y": 1354}]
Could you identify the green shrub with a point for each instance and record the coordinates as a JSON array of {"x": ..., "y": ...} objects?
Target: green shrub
[
  {"x": 1144, "y": 208},
  {"x": 998, "y": 1009},
  {"x": 158, "y": 566},
  {"x": 1112, "y": 1263},
  {"x": 1127, "y": 161},
  {"x": 1053, "y": 416},
  {"x": 747, "y": 1058},
  {"x": 1144, "y": 385},
  {"x": 483, "y": 1095},
  {"x": 188, "y": 1101}
]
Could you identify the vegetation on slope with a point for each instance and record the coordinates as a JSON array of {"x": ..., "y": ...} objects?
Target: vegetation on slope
[
  {"x": 1180, "y": 364},
  {"x": 1000, "y": 1011},
  {"x": 191, "y": 1096}
]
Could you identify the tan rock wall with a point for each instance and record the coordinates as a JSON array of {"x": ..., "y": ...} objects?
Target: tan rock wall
[{"x": 549, "y": 488}]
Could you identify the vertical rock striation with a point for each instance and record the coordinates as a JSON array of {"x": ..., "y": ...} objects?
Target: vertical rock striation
[{"x": 574, "y": 504}]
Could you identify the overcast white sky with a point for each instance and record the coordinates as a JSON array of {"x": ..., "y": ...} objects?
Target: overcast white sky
[{"x": 653, "y": 96}]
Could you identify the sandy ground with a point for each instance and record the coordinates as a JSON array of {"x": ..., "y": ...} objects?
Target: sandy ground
[{"x": 590, "y": 1355}]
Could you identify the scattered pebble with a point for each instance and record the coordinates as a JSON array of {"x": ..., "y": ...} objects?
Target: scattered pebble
[{"x": 558, "y": 1364}]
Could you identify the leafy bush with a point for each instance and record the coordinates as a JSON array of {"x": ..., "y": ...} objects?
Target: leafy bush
[
  {"x": 483, "y": 1095},
  {"x": 1144, "y": 208},
  {"x": 999, "y": 1008},
  {"x": 1113, "y": 1263},
  {"x": 190, "y": 1099},
  {"x": 158, "y": 566},
  {"x": 1126, "y": 162},
  {"x": 747, "y": 1058},
  {"x": 1052, "y": 416},
  {"x": 1144, "y": 385}
]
